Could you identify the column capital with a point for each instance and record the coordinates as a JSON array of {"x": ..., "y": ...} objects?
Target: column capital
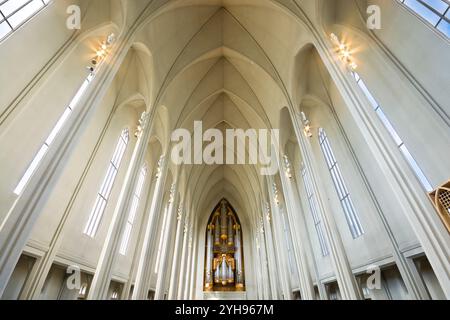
[
  {"x": 173, "y": 190},
  {"x": 267, "y": 213},
  {"x": 287, "y": 167},
  {"x": 275, "y": 193},
  {"x": 180, "y": 212},
  {"x": 159, "y": 167},
  {"x": 143, "y": 121}
]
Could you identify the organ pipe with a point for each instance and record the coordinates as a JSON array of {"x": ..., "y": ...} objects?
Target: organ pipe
[
  {"x": 230, "y": 231},
  {"x": 209, "y": 256},
  {"x": 223, "y": 221},
  {"x": 217, "y": 232},
  {"x": 224, "y": 267}
]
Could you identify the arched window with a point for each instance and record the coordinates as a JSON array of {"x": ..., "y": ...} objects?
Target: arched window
[
  {"x": 107, "y": 185},
  {"x": 339, "y": 184},
  {"x": 400, "y": 144},
  {"x": 133, "y": 211},
  {"x": 315, "y": 214},
  {"x": 436, "y": 12},
  {"x": 53, "y": 134},
  {"x": 14, "y": 13}
]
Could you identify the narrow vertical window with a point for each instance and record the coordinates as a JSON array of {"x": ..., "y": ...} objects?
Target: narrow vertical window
[
  {"x": 51, "y": 137},
  {"x": 339, "y": 184},
  {"x": 435, "y": 12},
  {"x": 398, "y": 141},
  {"x": 314, "y": 212},
  {"x": 133, "y": 211},
  {"x": 14, "y": 13},
  {"x": 107, "y": 185}
]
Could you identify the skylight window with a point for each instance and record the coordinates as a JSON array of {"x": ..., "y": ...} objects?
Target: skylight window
[
  {"x": 14, "y": 13},
  {"x": 436, "y": 12}
]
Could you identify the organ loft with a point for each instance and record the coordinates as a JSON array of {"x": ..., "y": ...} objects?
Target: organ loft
[{"x": 224, "y": 265}]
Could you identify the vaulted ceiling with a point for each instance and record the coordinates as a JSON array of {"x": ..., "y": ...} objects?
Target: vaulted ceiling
[{"x": 229, "y": 64}]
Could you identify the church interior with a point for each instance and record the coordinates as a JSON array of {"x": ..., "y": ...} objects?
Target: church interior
[{"x": 93, "y": 207}]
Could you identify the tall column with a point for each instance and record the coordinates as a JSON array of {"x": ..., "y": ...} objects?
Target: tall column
[
  {"x": 192, "y": 274},
  {"x": 264, "y": 262},
  {"x": 188, "y": 266},
  {"x": 278, "y": 236},
  {"x": 348, "y": 286},
  {"x": 184, "y": 258},
  {"x": 257, "y": 261},
  {"x": 239, "y": 263},
  {"x": 103, "y": 273},
  {"x": 291, "y": 202},
  {"x": 176, "y": 256},
  {"x": 209, "y": 279},
  {"x": 161, "y": 278},
  {"x": 257, "y": 267},
  {"x": 143, "y": 273},
  {"x": 136, "y": 250},
  {"x": 270, "y": 253},
  {"x": 16, "y": 229},
  {"x": 302, "y": 180}
]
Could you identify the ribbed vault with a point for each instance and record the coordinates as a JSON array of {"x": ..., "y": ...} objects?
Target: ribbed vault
[{"x": 223, "y": 63}]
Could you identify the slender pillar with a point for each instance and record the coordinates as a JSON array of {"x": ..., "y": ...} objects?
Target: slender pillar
[
  {"x": 188, "y": 266},
  {"x": 136, "y": 250},
  {"x": 193, "y": 268},
  {"x": 161, "y": 278},
  {"x": 184, "y": 258},
  {"x": 257, "y": 267},
  {"x": 278, "y": 236},
  {"x": 209, "y": 278},
  {"x": 143, "y": 273},
  {"x": 304, "y": 178},
  {"x": 306, "y": 283},
  {"x": 176, "y": 256},
  {"x": 264, "y": 261},
  {"x": 271, "y": 256}
]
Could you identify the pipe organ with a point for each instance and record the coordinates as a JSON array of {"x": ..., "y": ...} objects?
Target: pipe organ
[{"x": 224, "y": 264}]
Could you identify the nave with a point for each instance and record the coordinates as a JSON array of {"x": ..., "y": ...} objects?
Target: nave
[{"x": 96, "y": 202}]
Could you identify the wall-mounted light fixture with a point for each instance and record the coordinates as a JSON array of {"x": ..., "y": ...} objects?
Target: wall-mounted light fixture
[
  {"x": 306, "y": 125},
  {"x": 159, "y": 167},
  {"x": 180, "y": 212},
  {"x": 261, "y": 224},
  {"x": 344, "y": 52},
  {"x": 101, "y": 52},
  {"x": 287, "y": 167},
  {"x": 275, "y": 194},
  {"x": 268, "y": 216},
  {"x": 172, "y": 193}
]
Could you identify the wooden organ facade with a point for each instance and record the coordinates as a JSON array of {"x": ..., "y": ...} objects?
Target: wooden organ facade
[{"x": 224, "y": 258}]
